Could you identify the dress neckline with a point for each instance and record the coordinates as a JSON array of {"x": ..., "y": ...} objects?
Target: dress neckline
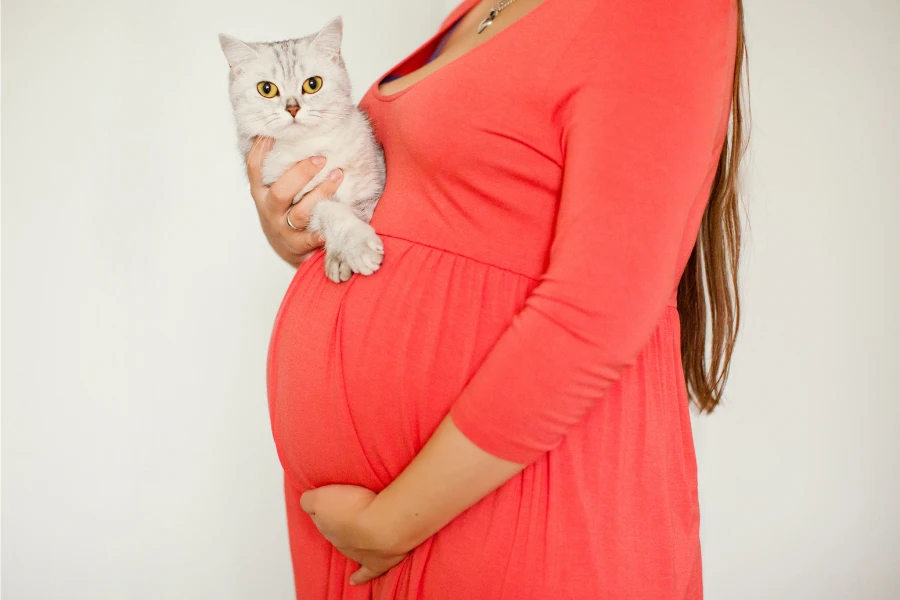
[{"x": 461, "y": 12}]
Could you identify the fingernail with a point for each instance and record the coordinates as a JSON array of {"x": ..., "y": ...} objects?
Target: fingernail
[
  {"x": 318, "y": 160},
  {"x": 335, "y": 175}
]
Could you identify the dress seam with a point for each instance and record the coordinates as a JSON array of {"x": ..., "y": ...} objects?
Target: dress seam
[{"x": 465, "y": 256}]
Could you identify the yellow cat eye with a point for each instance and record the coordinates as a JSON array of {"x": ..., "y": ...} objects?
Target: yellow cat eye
[
  {"x": 312, "y": 85},
  {"x": 267, "y": 89}
]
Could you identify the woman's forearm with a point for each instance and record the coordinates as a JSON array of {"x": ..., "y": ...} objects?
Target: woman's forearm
[{"x": 449, "y": 475}]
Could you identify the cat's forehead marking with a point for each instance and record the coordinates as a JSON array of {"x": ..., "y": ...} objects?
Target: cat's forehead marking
[{"x": 287, "y": 59}]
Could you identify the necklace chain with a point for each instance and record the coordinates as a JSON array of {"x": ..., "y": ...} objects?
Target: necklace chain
[{"x": 495, "y": 10}]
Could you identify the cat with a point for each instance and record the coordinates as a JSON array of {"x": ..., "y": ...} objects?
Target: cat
[{"x": 298, "y": 92}]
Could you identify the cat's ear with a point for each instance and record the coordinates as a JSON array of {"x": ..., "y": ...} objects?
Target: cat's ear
[
  {"x": 236, "y": 51},
  {"x": 329, "y": 39}
]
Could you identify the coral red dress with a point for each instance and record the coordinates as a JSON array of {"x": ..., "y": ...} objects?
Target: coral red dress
[{"x": 544, "y": 193}]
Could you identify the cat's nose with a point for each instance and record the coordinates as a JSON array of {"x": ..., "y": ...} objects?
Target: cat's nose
[{"x": 292, "y": 107}]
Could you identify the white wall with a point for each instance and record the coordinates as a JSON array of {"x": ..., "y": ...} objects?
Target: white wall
[
  {"x": 138, "y": 293},
  {"x": 800, "y": 470}
]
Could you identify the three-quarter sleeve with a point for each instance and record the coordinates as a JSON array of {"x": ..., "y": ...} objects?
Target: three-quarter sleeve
[{"x": 641, "y": 110}]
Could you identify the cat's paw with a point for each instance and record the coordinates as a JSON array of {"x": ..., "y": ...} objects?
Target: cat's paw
[
  {"x": 336, "y": 269},
  {"x": 359, "y": 252},
  {"x": 365, "y": 253}
]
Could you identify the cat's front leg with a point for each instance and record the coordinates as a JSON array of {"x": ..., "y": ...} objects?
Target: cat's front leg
[{"x": 351, "y": 245}]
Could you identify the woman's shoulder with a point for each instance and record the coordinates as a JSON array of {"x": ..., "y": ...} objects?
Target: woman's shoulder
[{"x": 608, "y": 34}]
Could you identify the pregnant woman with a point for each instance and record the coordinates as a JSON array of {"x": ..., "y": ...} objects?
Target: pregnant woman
[{"x": 502, "y": 410}]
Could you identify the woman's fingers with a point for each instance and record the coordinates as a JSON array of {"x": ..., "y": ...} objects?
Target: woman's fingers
[
  {"x": 305, "y": 241},
  {"x": 300, "y": 213},
  {"x": 362, "y": 575},
  {"x": 274, "y": 203},
  {"x": 283, "y": 191},
  {"x": 277, "y": 198}
]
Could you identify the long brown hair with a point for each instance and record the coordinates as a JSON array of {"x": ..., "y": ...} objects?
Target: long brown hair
[{"x": 708, "y": 298}]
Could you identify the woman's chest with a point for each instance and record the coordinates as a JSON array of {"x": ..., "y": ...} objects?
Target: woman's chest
[{"x": 472, "y": 111}]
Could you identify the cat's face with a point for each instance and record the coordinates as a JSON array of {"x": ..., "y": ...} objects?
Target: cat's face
[{"x": 291, "y": 89}]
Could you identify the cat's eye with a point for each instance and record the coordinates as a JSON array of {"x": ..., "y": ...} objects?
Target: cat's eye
[
  {"x": 267, "y": 89},
  {"x": 312, "y": 85}
]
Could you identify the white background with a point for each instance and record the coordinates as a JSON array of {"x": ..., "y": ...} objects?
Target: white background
[{"x": 138, "y": 295}]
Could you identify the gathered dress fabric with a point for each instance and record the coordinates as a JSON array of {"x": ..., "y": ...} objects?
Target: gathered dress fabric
[{"x": 544, "y": 193}]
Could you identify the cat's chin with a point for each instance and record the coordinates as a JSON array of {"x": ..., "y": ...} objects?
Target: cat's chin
[{"x": 296, "y": 131}]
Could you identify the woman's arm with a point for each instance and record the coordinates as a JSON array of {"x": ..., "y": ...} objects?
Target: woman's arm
[
  {"x": 449, "y": 475},
  {"x": 642, "y": 128},
  {"x": 642, "y": 117}
]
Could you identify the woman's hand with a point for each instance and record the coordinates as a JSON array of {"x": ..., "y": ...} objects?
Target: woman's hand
[
  {"x": 273, "y": 203},
  {"x": 340, "y": 512}
]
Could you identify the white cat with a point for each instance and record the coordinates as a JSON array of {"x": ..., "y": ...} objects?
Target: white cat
[{"x": 298, "y": 92}]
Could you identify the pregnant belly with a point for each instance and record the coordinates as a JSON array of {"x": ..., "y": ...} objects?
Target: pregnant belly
[{"x": 361, "y": 373}]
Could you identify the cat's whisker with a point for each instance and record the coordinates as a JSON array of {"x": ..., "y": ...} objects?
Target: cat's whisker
[{"x": 331, "y": 114}]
